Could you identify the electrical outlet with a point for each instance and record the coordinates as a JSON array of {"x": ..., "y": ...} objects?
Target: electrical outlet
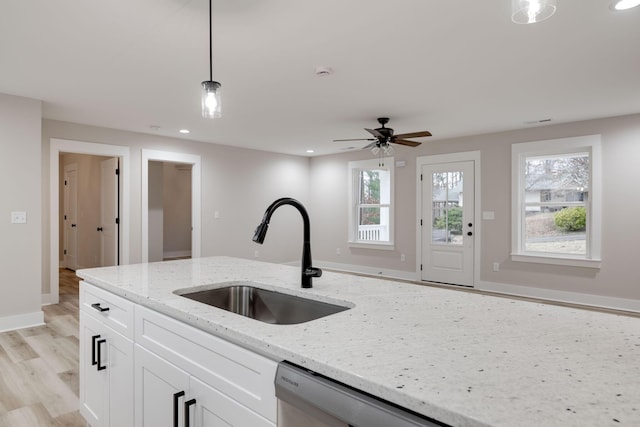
[
  {"x": 256, "y": 254},
  {"x": 18, "y": 217},
  {"x": 402, "y": 258},
  {"x": 337, "y": 251},
  {"x": 496, "y": 266}
]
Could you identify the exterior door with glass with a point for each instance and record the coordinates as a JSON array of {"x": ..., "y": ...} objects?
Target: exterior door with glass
[{"x": 447, "y": 222}]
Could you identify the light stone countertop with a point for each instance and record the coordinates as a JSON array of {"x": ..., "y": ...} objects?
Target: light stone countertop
[{"x": 462, "y": 358}]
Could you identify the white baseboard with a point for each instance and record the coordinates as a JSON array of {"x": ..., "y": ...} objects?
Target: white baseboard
[
  {"x": 46, "y": 299},
  {"x": 21, "y": 321},
  {"x": 372, "y": 271},
  {"x": 562, "y": 296},
  {"x": 176, "y": 254}
]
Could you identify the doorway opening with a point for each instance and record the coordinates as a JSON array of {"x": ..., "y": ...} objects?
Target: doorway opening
[
  {"x": 156, "y": 165},
  {"x": 120, "y": 243}
]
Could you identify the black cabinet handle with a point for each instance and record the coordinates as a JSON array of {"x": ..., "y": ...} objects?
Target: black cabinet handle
[
  {"x": 94, "y": 362},
  {"x": 100, "y": 309},
  {"x": 176, "y": 397},
  {"x": 187, "y": 404},
  {"x": 100, "y": 367}
]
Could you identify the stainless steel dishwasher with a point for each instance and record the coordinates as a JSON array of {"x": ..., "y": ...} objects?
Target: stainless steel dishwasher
[{"x": 306, "y": 399}]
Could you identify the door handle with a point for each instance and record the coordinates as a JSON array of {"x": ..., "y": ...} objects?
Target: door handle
[
  {"x": 93, "y": 350},
  {"x": 187, "y": 404},
  {"x": 176, "y": 397},
  {"x": 469, "y": 234},
  {"x": 100, "y": 309},
  {"x": 99, "y": 229},
  {"x": 100, "y": 367},
  {"x": 73, "y": 225}
]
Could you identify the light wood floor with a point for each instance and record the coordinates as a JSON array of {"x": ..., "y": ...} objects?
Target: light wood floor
[{"x": 39, "y": 366}]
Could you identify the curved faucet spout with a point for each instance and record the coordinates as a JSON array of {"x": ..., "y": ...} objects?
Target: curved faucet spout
[{"x": 261, "y": 232}]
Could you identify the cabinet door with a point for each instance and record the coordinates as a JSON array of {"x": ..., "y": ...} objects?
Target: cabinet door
[
  {"x": 214, "y": 409},
  {"x": 93, "y": 383},
  {"x": 160, "y": 391},
  {"x": 106, "y": 375}
]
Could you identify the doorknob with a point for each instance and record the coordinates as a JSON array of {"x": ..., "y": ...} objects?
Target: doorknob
[
  {"x": 469, "y": 234},
  {"x": 73, "y": 225},
  {"x": 470, "y": 225},
  {"x": 99, "y": 228}
]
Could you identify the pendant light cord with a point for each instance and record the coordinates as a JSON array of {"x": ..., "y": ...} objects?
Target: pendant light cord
[{"x": 210, "y": 41}]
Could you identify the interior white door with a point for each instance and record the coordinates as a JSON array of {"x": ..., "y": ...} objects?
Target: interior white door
[
  {"x": 70, "y": 217},
  {"x": 109, "y": 217},
  {"x": 447, "y": 222}
]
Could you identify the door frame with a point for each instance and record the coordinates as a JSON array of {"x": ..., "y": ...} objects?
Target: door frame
[
  {"x": 58, "y": 146},
  {"x": 472, "y": 156},
  {"x": 196, "y": 196},
  {"x": 66, "y": 198}
]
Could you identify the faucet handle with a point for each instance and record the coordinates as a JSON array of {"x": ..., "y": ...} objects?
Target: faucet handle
[{"x": 313, "y": 272}]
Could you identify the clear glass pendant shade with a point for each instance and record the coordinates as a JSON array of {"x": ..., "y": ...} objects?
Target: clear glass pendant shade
[
  {"x": 211, "y": 105},
  {"x": 532, "y": 11}
]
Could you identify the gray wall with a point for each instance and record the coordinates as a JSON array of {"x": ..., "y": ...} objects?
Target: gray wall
[
  {"x": 238, "y": 183},
  {"x": 620, "y": 151},
  {"x": 20, "y": 190}
]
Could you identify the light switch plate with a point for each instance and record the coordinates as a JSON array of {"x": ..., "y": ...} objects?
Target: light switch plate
[
  {"x": 18, "y": 217},
  {"x": 488, "y": 215}
]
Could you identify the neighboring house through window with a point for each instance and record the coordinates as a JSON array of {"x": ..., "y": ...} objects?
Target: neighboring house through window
[
  {"x": 371, "y": 203},
  {"x": 556, "y": 201}
]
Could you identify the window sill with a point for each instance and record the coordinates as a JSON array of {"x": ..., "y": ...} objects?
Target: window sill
[
  {"x": 372, "y": 245},
  {"x": 557, "y": 260}
]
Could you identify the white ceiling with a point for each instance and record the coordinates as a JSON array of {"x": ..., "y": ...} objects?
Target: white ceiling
[{"x": 452, "y": 67}]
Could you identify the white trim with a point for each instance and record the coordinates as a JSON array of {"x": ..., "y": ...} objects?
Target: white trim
[
  {"x": 519, "y": 152},
  {"x": 69, "y": 146},
  {"x": 557, "y": 260},
  {"x": 562, "y": 296},
  {"x": 176, "y": 254},
  {"x": 361, "y": 269},
  {"x": 196, "y": 195},
  {"x": 45, "y": 299},
  {"x": 369, "y": 164},
  {"x": 466, "y": 156},
  {"x": 21, "y": 321}
]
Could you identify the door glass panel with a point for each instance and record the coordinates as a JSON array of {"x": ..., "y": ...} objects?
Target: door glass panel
[{"x": 446, "y": 201}]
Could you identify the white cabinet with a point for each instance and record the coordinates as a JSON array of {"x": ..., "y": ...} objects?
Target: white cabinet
[
  {"x": 185, "y": 375},
  {"x": 139, "y": 367},
  {"x": 106, "y": 363}
]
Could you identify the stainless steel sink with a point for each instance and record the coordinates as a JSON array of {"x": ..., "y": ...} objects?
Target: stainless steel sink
[{"x": 263, "y": 305}]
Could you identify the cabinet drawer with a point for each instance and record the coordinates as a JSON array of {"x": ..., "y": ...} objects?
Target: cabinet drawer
[
  {"x": 114, "y": 311},
  {"x": 234, "y": 371}
]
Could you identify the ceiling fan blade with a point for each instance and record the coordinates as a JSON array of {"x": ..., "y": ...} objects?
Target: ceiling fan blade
[
  {"x": 406, "y": 142},
  {"x": 355, "y": 139},
  {"x": 375, "y": 133},
  {"x": 366, "y": 147},
  {"x": 414, "y": 134}
]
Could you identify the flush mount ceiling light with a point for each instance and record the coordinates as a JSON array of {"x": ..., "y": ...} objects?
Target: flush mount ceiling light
[
  {"x": 210, "y": 88},
  {"x": 532, "y": 11},
  {"x": 624, "y": 4}
]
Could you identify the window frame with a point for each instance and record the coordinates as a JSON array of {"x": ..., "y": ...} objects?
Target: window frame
[
  {"x": 354, "y": 167},
  {"x": 590, "y": 144}
]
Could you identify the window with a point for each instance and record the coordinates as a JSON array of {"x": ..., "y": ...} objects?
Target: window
[
  {"x": 371, "y": 203},
  {"x": 556, "y": 208}
]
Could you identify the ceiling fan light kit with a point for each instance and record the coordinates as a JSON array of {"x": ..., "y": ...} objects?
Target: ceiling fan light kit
[
  {"x": 532, "y": 11},
  {"x": 210, "y": 97}
]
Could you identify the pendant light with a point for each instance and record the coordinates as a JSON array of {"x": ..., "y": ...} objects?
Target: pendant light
[
  {"x": 210, "y": 88},
  {"x": 532, "y": 11}
]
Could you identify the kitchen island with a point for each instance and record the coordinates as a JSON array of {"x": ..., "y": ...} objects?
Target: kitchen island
[{"x": 461, "y": 358}]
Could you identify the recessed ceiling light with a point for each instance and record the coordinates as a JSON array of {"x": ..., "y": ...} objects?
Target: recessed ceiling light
[
  {"x": 154, "y": 127},
  {"x": 624, "y": 4},
  {"x": 185, "y": 131},
  {"x": 324, "y": 71},
  {"x": 310, "y": 151}
]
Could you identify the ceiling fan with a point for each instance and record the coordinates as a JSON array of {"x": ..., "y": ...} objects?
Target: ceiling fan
[{"x": 383, "y": 136}]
